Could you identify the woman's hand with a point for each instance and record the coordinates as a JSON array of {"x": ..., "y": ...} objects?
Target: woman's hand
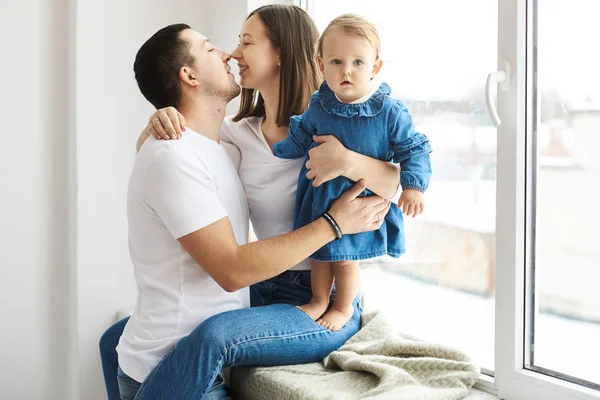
[
  {"x": 166, "y": 123},
  {"x": 331, "y": 159},
  {"x": 327, "y": 161},
  {"x": 354, "y": 214}
]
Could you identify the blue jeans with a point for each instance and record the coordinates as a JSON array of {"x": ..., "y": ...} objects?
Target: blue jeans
[
  {"x": 272, "y": 332},
  {"x": 128, "y": 388}
]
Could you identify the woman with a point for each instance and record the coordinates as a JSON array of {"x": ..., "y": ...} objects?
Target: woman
[{"x": 278, "y": 73}]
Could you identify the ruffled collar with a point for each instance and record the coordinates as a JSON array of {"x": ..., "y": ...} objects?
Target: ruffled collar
[{"x": 369, "y": 108}]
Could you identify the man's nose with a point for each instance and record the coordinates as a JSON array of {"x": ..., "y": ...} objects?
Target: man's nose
[{"x": 225, "y": 56}]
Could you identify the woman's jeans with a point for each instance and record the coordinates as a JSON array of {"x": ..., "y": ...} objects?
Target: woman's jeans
[{"x": 272, "y": 332}]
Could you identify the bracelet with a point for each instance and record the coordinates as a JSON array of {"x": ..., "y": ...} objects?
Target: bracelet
[{"x": 334, "y": 225}]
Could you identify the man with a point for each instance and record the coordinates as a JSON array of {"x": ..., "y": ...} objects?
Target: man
[{"x": 187, "y": 213}]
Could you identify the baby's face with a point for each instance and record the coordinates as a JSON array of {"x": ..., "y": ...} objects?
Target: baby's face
[{"x": 348, "y": 64}]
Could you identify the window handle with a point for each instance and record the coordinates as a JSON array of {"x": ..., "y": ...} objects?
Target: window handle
[{"x": 503, "y": 78}]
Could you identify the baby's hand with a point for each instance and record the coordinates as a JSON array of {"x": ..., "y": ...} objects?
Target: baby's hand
[{"x": 412, "y": 202}]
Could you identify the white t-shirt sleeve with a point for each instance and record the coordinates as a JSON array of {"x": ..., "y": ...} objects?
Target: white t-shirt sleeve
[{"x": 181, "y": 191}]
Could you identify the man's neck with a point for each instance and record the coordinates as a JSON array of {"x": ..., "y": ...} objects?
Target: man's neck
[{"x": 204, "y": 115}]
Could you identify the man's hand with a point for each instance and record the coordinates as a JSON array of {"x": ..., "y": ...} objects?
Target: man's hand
[
  {"x": 363, "y": 214},
  {"x": 412, "y": 202}
]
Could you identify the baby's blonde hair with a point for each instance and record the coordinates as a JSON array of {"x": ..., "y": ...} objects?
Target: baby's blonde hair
[{"x": 353, "y": 25}]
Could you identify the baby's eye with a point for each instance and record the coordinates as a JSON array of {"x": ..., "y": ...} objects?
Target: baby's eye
[
  {"x": 336, "y": 62},
  {"x": 358, "y": 62}
]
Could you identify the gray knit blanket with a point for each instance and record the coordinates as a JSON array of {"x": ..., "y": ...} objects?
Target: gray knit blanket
[{"x": 376, "y": 363}]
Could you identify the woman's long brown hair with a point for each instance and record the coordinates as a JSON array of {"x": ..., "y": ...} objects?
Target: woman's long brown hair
[{"x": 294, "y": 34}]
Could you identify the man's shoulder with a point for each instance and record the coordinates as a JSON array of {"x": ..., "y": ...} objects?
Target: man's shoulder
[{"x": 184, "y": 152}]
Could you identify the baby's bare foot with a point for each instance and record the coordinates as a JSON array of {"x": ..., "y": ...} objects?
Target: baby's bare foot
[
  {"x": 335, "y": 319},
  {"x": 314, "y": 309}
]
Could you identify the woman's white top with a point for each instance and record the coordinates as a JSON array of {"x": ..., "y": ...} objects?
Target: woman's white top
[{"x": 269, "y": 182}]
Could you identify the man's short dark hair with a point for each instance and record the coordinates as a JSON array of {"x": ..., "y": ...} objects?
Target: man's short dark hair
[{"x": 157, "y": 66}]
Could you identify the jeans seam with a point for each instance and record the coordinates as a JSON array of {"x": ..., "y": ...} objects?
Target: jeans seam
[
  {"x": 286, "y": 336},
  {"x": 230, "y": 347},
  {"x": 128, "y": 380},
  {"x": 214, "y": 377}
]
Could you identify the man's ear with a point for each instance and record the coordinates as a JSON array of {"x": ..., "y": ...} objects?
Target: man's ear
[
  {"x": 188, "y": 76},
  {"x": 377, "y": 67}
]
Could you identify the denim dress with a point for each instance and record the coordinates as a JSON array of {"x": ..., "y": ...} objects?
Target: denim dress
[{"x": 381, "y": 128}]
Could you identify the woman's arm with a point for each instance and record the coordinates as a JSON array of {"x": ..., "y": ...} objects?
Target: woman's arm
[
  {"x": 331, "y": 159},
  {"x": 166, "y": 123},
  {"x": 383, "y": 176},
  {"x": 141, "y": 140}
]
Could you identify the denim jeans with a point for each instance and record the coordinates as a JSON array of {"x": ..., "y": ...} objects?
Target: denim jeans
[
  {"x": 129, "y": 388},
  {"x": 272, "y": 332}
]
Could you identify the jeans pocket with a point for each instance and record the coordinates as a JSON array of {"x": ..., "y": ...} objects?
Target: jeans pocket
[
  {"x": 128, "y": 388},
  {"x": 302, "y": 280}
]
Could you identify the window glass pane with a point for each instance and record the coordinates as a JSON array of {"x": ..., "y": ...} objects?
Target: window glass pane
[
  {"x": 567, "y": 189},
  {"x": 437, "y": 54}
]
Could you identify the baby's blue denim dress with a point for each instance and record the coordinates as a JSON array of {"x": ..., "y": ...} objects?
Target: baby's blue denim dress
[{"x": 381, "y": 128}]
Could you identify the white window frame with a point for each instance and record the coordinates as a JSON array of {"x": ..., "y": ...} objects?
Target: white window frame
[
  {"x": 511, "y": 379},
  {"x": 513, "y": 197}
]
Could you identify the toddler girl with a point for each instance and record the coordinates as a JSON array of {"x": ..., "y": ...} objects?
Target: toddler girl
[{"x": 366, "y": 121}]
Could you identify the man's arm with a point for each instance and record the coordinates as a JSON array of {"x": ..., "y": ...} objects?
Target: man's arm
[
  {"x": 184, "y": 196},
  {"x": 233, "y": 267}
]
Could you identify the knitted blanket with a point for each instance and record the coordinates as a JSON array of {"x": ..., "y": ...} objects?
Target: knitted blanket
[{"x": 376, "y": 363}]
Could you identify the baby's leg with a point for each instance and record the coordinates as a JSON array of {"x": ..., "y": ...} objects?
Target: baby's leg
[
  {"x": 347, "y": 277},
  {"x": 321, "y": 281}
]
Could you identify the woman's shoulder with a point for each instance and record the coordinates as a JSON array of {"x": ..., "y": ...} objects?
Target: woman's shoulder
[{"x": 235, "y": 129}]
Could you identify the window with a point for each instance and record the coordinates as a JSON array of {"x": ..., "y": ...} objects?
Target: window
[
  {"x": 565, "y": 192},
  {"x": 504, "y": 263}
]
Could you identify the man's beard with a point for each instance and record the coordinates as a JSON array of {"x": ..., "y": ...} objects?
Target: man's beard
[
  {"x": 234, "y": 91},
  {"x": 227, "y": 94}
]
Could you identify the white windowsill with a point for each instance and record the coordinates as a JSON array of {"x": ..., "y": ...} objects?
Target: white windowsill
[{"x": 477, "y": 394}]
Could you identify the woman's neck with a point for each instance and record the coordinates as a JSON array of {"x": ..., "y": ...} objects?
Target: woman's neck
[
  {"x": 271, "y": 131},
  {"x": 270, "y": 96}
]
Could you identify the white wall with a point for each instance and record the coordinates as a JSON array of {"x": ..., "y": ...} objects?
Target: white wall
[
  {"x": 71, "y": 112},
  {"x": 34, "y": 247}
]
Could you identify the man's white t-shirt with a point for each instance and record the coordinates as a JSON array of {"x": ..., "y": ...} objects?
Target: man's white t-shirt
[{"x": 176, "y": 188}]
